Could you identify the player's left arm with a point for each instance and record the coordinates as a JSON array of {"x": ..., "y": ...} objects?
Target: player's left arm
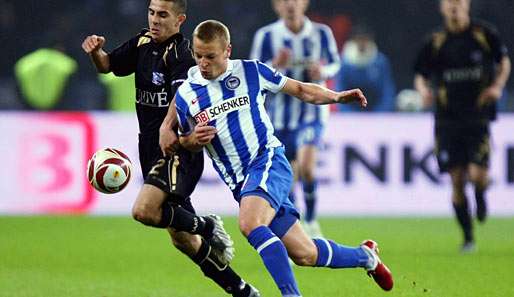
[
  {"x": 503, "y": 67},
  {"x": 316, "y": 94},
  {"x": 502, "y": 73}
]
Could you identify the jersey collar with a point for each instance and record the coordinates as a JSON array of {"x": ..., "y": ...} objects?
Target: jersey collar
[{"x": 177, "y": 38}]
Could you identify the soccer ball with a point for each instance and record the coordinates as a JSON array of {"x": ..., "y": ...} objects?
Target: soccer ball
[
  {"x": 109, "y": 170},
  {"x": 409, "y": 101}
]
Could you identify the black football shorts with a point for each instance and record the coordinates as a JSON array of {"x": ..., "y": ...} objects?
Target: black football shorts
[{"x": 460, "y": 144}]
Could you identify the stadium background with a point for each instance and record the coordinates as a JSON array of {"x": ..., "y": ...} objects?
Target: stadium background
[
  {"x": 399, "y": 27},
  {"x": 406, "y": 211}
]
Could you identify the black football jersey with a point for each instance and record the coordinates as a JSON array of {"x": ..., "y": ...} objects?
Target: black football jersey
[
  {"x": 159, "y": 70},
  {"x": 460, "y": 66}
]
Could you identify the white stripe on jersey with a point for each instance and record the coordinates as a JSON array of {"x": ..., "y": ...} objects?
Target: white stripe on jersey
[
  {"x": 234, "y": 104},
  {"x": 314, "y": 43}
]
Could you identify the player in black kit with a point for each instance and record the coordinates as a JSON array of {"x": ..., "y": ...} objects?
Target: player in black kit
[
  {"x": 467, "y": 66},
  {"x": 160, "y": 58}
]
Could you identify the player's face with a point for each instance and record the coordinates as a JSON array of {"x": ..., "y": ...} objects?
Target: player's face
[
  {"x": 455, "y": 10},
  {"x": 163, "y": 21},
  {"x": 291, "y": 9},
  {"x": 211, "y": 57}
]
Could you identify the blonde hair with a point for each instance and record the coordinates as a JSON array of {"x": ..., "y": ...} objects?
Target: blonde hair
[{"x": 209, "y": 30}]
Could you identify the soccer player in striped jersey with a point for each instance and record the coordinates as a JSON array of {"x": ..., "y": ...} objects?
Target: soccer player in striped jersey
[
  {"x": 221, "y": 107},
  {"x": 306, "y": 51}
]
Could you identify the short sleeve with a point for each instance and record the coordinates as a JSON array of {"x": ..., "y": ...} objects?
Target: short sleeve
[
  {"x": 123, "y": 59},
  {"x": 498, "y": 48},
  {"x": 271, "y": 79},
  {"x": 178, "y": 59}
]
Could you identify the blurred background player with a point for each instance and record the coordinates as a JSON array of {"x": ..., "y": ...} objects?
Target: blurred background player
[
  {"x": 306, "y": 51},
  {"x": 468, "y": 66},
  {"x": 160, "y": 58},
  {"x": 221, "y": 107},
  {"x": 365, "y": 67}
]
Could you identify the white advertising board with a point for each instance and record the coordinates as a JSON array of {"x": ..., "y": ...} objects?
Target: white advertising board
[{"x": 371, "y": 164}]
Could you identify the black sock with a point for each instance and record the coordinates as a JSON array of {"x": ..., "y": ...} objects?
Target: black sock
[
  {"x": 464, "y": 219},
  {"x": 479, "y": 193},
  {"x": 181, "y": 219},
  {"x": 481, "y": 206},
  {"x": 221, "y": 274}
]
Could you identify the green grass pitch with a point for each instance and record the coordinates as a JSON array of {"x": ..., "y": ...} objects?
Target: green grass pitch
[{"x": 115, "y": 256}]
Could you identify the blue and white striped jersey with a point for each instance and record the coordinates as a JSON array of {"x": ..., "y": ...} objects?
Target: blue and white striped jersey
[
  {"x": 234, "y": 104},
  {"x": 315, "y": 42}
]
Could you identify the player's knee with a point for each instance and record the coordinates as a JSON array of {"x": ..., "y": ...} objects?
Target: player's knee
[
  {"x": 143, "y": 213},
  {"x": 247, "y": 225},
  {"x": 458, "y": 185},
  {"x": 480, "y": 181},
  {"x": 307, "y": 174}
]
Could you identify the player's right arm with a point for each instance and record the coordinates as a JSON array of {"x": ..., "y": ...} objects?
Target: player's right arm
[
  {"x": 193, "y": 136},
  {"x": 168, "y": 140},
  {"x": 93, "y": 46},
  {"x": 316, "y": 94}
]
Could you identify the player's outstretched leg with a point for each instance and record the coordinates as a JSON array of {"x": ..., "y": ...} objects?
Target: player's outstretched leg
[
  {"x": 378, "y": 270},
  {"x": 334, "y": 255},
  {"x": 212, "y": 266},
  {"x": 173, "y": 215},
  {"x": 220, "y": 240}
]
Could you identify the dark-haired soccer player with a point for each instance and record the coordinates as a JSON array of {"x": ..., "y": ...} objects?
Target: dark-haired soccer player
[
  {"x": 466, "y": 65},
  {"x": 160, "y": 58}
]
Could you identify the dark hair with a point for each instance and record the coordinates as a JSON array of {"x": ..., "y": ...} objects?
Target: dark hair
[
  {"x": 209, "y": 30},
  {"x": 179, "y": 6}
]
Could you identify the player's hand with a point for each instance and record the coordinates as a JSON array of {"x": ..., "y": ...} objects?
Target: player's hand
[
  {"x": 353, "y": 95},
  {"x": 314, "y": 71},
  {"x": 93, "y": 43},
  {"x": 281, "y": 60},
  {"x": 168, "y": 141},
  {"x": 204, "y": 134},
  {"x": 489, "y": 95},
  {"x": 427, "y": 97}
]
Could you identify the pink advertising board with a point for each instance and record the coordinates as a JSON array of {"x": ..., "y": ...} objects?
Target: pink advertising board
[{"x": 370, "y": 164}]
